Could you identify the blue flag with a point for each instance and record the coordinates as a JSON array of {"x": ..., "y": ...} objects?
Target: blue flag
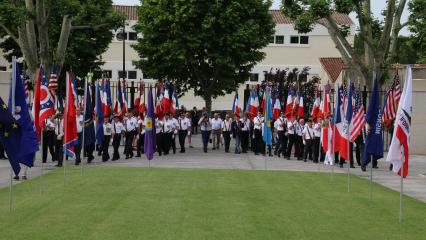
[
  {"x": 17, "y": 100},
  {"x": 89, "y": 126},
  {"x": 100, "y": 117},
  {"x": 10, "y": 136},
  {"x": 374, "y": 141},
  {"x": 267, "y": 112},
  {"x": 149, "y": 144}
]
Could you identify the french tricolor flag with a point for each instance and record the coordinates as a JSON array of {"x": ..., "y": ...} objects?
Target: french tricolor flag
[
  {"x": 235, "y": 109},
  {"x": 254, "y": 104},
  {"x": 342, "y": 125},
  {"x": 276, "y": 109}
]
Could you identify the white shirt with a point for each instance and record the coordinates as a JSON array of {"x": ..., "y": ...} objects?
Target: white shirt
[
  {"x": 291, "y": 126},
  {"x": 226, "y": 125},
  {"x": 299, "y": 129},
  {"x": 216, "y": 123},
  {"x": 205, "y": 125},
  {"x": 258, "y": 122},
  {"x": 59, "y": 128},
  {"x": 279, "y": 124},
  {"x": 184, "y": 124},
  {"x": 117, "y": 127},
  {"x": 168, "y": 125},
  {"x": 246, "y": 124},
  {"x": 131, "y": 124},
  {"x": 317, "y": 129},
  {"x": 50, "y": 124},
  {"x": 159, "y": 127},
  {"x": 141, "y": 124},
  {"x": 175, "y": 125},
  {"x": 107, "y": 129},
  {"x": 80, "y": 123},
  {"x": 308, "y": 132}
]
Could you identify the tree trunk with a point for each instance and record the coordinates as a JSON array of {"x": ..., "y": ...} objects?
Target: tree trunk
[{"x": 208, "y": 100}]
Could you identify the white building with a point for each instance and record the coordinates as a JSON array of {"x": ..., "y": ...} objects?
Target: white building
[{"x": 287, "y": 49}]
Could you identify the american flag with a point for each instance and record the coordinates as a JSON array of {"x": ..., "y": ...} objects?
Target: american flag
[
  {"x": 53, "y": 82},
  {"x": 358, "y": 120},
  {"x": 26, "y": 88},
  {"x": 393, "y": 96}
]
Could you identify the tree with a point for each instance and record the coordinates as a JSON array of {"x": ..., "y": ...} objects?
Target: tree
[
  {"x": 378, "y": 52},
  {"x": 417, "y": 25},
  {"x": 70, "y": 33},
  {"x": 209, "y": 46}
]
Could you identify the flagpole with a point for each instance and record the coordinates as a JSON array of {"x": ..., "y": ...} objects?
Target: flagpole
[
  {"x": 84, "y": 126},
  {"x": 401, "y": 193},
  {"x": 42, "y": 164},
  {"x": 371, "y": 181},
  {"x": 13, "y": 114},
  {"x": 64, "y": 149}
]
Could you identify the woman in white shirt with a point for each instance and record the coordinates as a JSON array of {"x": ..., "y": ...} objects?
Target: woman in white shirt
[{"x": 107, "y": 138}]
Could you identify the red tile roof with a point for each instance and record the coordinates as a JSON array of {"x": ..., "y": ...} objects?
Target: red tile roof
[
  {"x": 277, "y": 16},
  {"x": 332, "y": 66}
]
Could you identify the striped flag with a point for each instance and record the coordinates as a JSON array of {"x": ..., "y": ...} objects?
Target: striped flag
[
  {"x": 53, "y": 82},
  {"x": 392, "y": 100},
  {"x": 358, "y": 120}
]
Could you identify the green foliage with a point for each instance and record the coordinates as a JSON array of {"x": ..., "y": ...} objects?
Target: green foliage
[
  {"x": 417, "y": 25},
  {"x": 209, "y": 46}
]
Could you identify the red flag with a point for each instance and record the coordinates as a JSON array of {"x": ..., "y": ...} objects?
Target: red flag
[
  {"x": 277, "y": 109},
  {"x": 70, "y": 123},
  {"x": 301, "y": 109}
]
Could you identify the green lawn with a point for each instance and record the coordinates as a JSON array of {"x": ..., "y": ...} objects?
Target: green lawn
[{"x": 140, "y": 203}]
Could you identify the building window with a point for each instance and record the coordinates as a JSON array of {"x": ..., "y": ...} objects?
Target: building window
[
  {"x": 108, "y": 73},
  {"x": 254, "y": 77},
  {"x": 131, "y": 74},
  {"x": 3, "y": 68},
  {"x": 272, "y": 39},
  {"x": 294, "y": 39},
  {"x": 120, "y": 74},
  {"x": 119, "y": 36},
  {"x": 279, "y": 39},
  {"x": 304, "y": 39},
  {"x": 133, "y": 36}
]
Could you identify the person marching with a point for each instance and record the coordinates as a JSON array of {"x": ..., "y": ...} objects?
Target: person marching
[
  {"x": 107, "y": 138},
  {"x": 291, "y": 128},
  {"x": 245, "y": 133},
  {"x": 236, "y": 128},
  {"x": 184, "y": 126},
  {"x": 258, "y": 120},
  {"x": 226, "y": 131},
  {"x": 190, "y": 131},
  {"x": 49, "y": 138},
  {"x": 59, "y": 132},
  {"x": 194, "y": 119},
  {"x": 308, "y": 140},
  {"x": 168, "y": 128},
  {"x": 141, "y": 137},
  {"x": 159, "y": 131},
  {"x": 299, "y": 139},
  {"x": 206, "y": 128},
  {"x": 281, "y": 126},
  {"x": 80, "y": 125},
  {"x": 174, "y": 132},
  {"x": 216, "y": 128},
  {"x": 117, "y": 128},
  {"x": 130, "y": 125},
  {"x": 317, "y": 139}
]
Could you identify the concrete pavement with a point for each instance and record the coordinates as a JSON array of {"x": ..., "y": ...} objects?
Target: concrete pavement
[{"x": 414, "y": 185}]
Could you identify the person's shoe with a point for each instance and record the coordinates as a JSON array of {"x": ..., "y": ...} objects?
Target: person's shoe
[
  {"x": 288, "y": 158},
  {"x": 256, "y": 153},
  {"x": 42, "y": 161},
  {"x": 205, "y": 151},
  {"x": 304, "y": 160},
  {"x": 270, "y": 154},
  {"x": 24, "y": 178},
  {"x": 213, "y": 148},
  {"x": 390, "y": 167},
  {"x": 77, "y": 163},
  {"x": 127, "y": 157},
  {"x": 352, "y": 166},
  {"x": 244, "y": 151},
  {"x": 363, "y": 168},
  {"x": 190, "y": 146},
  {"x": 138, "y": 155},
  {"x": 166, "y": 153},
  {"x": 58, "y": 165},
  {"x": 341, "y": 165},
  {"x": 114, "y": 159},
  {"x": 279, "y": 155},
  {"x": 16, "y": 178},
  {"x": 375, "y": 167}
]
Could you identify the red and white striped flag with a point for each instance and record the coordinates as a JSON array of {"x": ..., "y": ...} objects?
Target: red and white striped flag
[
  {"x": 53, "y": 82},
  {"x": 358, "y": 119},
  {"x": 392, "y": 100}
]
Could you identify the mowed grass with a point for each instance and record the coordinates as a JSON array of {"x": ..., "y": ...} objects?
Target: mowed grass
[{"x": 142, "y": 203}]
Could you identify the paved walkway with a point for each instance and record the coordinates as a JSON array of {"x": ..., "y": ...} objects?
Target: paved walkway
[{"x": 414, "y": 185}]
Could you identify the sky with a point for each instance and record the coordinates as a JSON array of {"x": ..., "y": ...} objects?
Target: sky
[{"x": 376, "y": 5}]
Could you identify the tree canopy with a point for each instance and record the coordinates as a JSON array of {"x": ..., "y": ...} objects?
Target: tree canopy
[
  {"x": 417, "y": 25},
  {"x": 71, "y": 33},
  {"x": 378, "y": 50},
  {"x": 209, "y": 46}
]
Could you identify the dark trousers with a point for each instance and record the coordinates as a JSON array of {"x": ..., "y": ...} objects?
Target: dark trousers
[
  {"x": 258, "y": 141},
  {"x": 308, "y": 148},
  {"x": 227, "y": 139},
  {"x": 317, "y": 149},
  {"x": 351, "y": 155},
  {"x": 245, "y": 135},
  {"x": 88, "y": 150},
  {"x": 205, "y": 136},
  {"x": 128, "y": 149},
  {"x": 140, "y": 144},
  {"x": 182, "y": 136},
  {"x": 105, "y": 146},
  {"x": 166, "y": 142},
  {"x": 2, "y": 155},
  {"x": 48, "y": 143},
  {"x": 300, "y": 148},
  {"x": 359, "y": 150},
  {"x": 281, "y": 146},
  {"x": 173, "y": 142},
  {"x": 159, "y": 141},
  {"x": 291, "y": 142},
  {"x": 78, "y": 148},
  {"x": 59, "y": 153},
  {"x": 116, "y": 144}
]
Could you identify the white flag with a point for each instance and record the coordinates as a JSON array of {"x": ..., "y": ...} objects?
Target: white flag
[{"x": 401, "y": 133}]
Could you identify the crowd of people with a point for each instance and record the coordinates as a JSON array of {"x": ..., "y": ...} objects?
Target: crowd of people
[{"x": 298, "y": 138}]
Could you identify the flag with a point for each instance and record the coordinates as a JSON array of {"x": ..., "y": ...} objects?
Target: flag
[
  {"x": 341, "y": 125},
  {"x": 393, "y": 96},
  {"x": 254, "y": 104},
  {"x": 53, "y": 82},
  {"x": 175, "y": 102},
  {"x": 235, "y": 109},
  {"x": 70, "y": 122},
  {"x": 89, "y": 126},
  {"x": 108, "y": 102},
  {"x": 276, "y": 111},
  {"x": 99, "y": 117},
  {"x": 17, "y": 104},
  {"x": 289, "y": 103},
  {"x": 316, "y": 106},
  {"x": 300, "y": 109},
  {"x": 166, "y": 103},
  {"x": 401, "y": 135},
  {"x": 325, "y": 107},
  {"x": 159, "y": 96},
  {"x": 43, "y": 104},
  {"x": 10, "y": 136},
  {"x": 118, "y": 100},
  {"x": 373, "y": 141},
  {"x": 149, "y": 143},
  {"x": 267, "y": 114},
  {"x": 358, "y": 121},
  {"x": 26, "y": 88}
]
